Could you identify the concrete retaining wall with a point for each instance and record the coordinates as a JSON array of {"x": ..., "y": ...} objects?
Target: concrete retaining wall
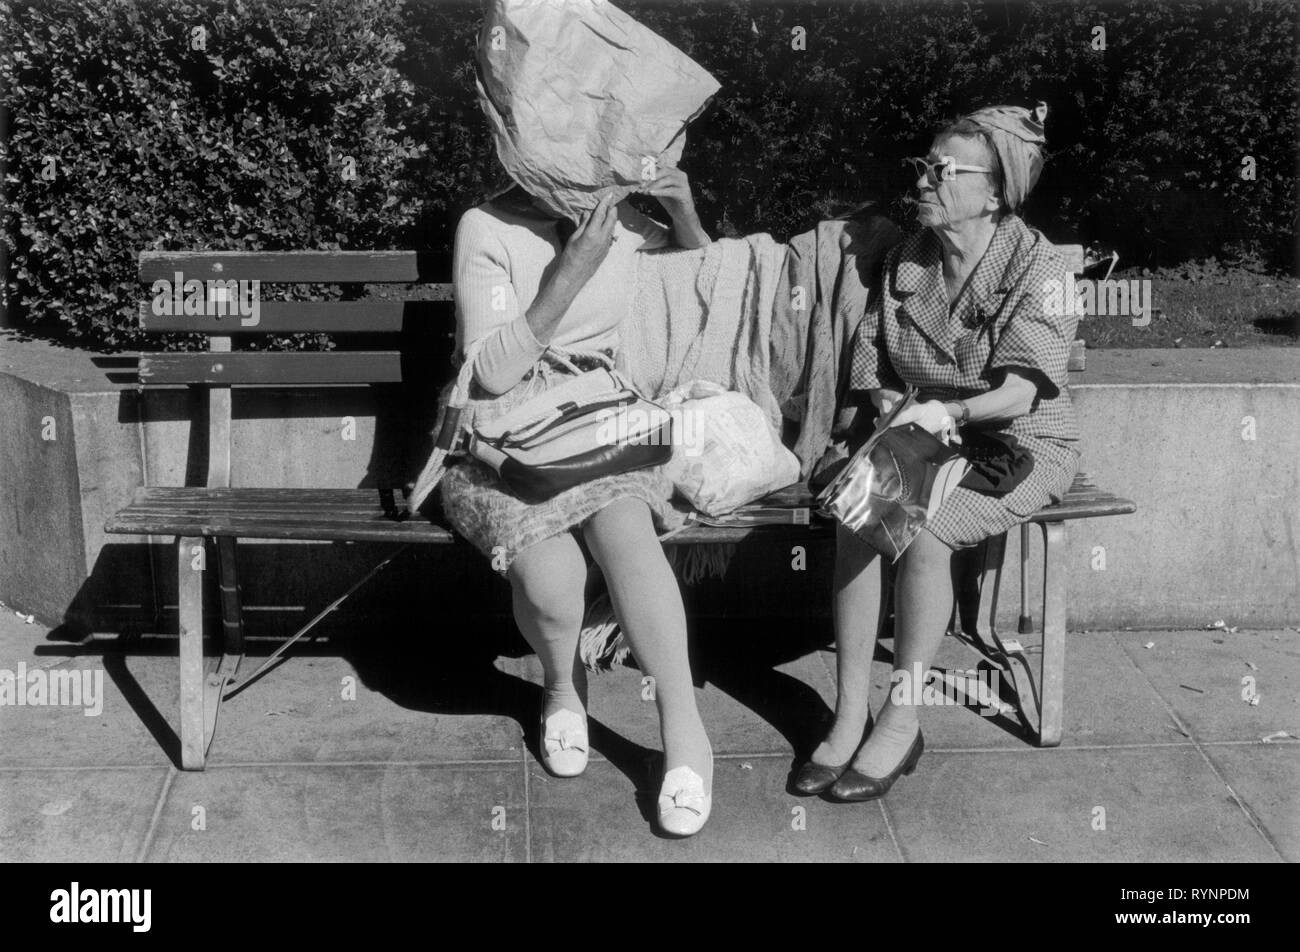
[{"x": 1206, "y": 442}]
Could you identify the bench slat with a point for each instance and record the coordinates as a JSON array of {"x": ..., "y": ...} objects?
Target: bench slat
[
  {"x": 367, "y": 502},
  {"x": 374, "y": 528},
  {"x": 410, "y": 531},
  {"x": 290, "y": 267},
  {"x": 314, "y": 511},
  {"x": 1114, "y": 506},
  {"x": 296, "y": 317},
  {"x": 357, "y": 515},
  {"x": 272, "y": 369},
  {"x": 186, "y": 514},
  {"x": 328, "y": 515},
  {"x": 240, "y": 497}
]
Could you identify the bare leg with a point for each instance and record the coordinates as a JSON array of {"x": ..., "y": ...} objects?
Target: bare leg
[
  {"x": 857, "y": 616},
  {"x": 924, "y": 609},
  {"x": 546, "y": 582},
  {"x": 648, "y": 604}
]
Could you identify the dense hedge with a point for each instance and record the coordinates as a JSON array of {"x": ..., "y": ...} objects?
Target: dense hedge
[
  {"x": 146, "y": 142},
  {"x": 1146, "y": 137},
  {"x": 158, "y": 145}
]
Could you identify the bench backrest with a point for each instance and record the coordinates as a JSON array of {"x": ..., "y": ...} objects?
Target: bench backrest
[
  {"x": 1073, "y": 255},
  {"x": 217, "y": 314}
]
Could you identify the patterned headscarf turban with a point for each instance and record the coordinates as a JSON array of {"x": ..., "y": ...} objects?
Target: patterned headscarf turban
[{"x": 1017, "y": 135}]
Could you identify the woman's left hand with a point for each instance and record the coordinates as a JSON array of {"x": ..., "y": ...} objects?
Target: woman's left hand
[
  {"x": 932, "y": 416},
  {"x": 673, "y": 189}
]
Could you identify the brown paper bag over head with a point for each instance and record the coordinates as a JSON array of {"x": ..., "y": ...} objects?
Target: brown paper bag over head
[{"x": 582, "y": 99}]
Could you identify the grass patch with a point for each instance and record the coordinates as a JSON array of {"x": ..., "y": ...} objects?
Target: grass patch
[{"x": 1205, "y": 304}]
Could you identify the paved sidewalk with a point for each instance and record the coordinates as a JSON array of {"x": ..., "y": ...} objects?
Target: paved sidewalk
[{"x": 430, "y": 762}]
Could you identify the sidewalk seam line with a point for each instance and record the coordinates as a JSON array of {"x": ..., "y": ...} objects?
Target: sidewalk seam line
[
  {"x": 528, "y": 806},
  {"x": 157, "y": 814},
  {"x": 893, "y": 835},
  {"x": 1246, "y": 811},
  {"x": 70, "y": 767},
  {"x": 597, "y": 758},
  {"x": 344, "y": 763}
]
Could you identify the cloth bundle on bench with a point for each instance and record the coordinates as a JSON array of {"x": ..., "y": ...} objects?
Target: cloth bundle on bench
[{"x": 772, "y": 321}]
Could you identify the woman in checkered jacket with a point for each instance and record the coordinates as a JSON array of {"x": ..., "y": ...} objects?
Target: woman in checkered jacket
[{"x": 961, "y": 316}]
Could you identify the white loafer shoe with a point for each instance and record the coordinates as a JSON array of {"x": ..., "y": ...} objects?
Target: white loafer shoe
[
  {"x": 564, "y": 743},
  {"x": 683, "y": 805}
]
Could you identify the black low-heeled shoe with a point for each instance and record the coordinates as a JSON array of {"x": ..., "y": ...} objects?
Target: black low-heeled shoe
[
  {"x": 811, "y": 779},
  {"x": 856, "y": 787}
]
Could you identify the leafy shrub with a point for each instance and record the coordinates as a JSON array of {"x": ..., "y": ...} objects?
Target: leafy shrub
[
  {"x": 1145, "y": 138},
  {"x": 157, "y": 145},
  {"x": 123, "y": 136}
]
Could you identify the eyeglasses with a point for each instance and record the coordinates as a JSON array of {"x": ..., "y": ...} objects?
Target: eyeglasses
[{"x": 944, "y": 170}]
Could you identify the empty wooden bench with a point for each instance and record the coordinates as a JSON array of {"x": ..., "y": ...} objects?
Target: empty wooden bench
[{"x": 211, "y": 517}]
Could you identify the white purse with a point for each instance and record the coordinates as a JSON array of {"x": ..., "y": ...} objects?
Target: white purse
[{"x": 595, "y": 424}]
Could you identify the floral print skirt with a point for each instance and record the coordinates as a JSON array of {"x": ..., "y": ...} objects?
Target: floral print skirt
[{"x": 498, "y": 523}]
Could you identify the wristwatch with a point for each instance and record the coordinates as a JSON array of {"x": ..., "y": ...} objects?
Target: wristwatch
[{"x": 965, "y": 412}]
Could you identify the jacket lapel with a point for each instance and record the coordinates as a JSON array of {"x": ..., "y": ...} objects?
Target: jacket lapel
[
  {"x": 992, "y": 279},
  {"x": 918, "y": 284}
]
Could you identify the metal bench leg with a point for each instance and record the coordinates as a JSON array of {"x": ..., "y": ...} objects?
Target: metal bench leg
[
  {"x": 189, "y": 553},
  {"x": 232, "y": 614},
  {"x": 992, "y": 551},
  {"x": 1026, "y": 619},
  {"x": 1007, "y": 653},
  {"x": 1052, "y": 677}
]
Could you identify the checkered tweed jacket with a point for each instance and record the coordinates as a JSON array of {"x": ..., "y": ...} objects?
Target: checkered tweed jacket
[{"x": 999, "y": 322}]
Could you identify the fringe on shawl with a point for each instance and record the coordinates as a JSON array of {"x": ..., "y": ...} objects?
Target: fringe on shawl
[{"x": 602, "y": 645}]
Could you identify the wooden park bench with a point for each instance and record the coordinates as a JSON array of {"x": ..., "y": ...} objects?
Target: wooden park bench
[{"x": 211, "y": 517}]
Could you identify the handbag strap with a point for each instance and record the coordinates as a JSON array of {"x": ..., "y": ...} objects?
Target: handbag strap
[
  {"x": 562, "y": 357},
  {"x": 559, "y": 358},
  {"x": 558, "y": 418},
  {"x": 447, "y": 430}
]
